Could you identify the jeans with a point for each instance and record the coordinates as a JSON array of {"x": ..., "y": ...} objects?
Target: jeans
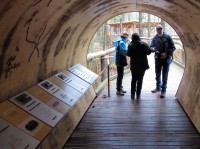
[
  {"x": 162, "y": 65},
  {"x": 137, "y": 80},
  {"x": 120, "y": 74}
]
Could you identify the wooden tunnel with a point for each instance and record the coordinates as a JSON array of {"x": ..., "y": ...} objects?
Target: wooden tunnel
[{"x": 43, "y": 37}]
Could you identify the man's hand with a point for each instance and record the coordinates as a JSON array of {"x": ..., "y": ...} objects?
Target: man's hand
[
  {"x": 163, "y": 55},
  {"x": 153, "y": 49}
]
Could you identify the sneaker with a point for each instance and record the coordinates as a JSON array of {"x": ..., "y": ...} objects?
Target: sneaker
[
  {"x": 123, "y": 91},
  {"x": 155, "y": 90},
  {"x": 162, "y": 94},
  {"x": 120, "y": 93}
]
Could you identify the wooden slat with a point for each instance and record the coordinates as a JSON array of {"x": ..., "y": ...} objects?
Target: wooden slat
[
  {"x": 122, "y": 125},
  {"x": 151, "y": 122}
]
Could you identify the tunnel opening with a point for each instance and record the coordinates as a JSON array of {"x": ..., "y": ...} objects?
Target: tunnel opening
[{"x": 101, "y": 47}]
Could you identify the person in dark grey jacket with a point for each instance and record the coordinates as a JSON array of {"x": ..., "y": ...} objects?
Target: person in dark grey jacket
[
  {"x": 137, "y": 51},
  {"x": 163, "y": 46}
]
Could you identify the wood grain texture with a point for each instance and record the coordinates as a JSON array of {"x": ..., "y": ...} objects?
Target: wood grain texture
[
  {"x": 23, "y": 21},
  {"x": 151, "y": 122}
]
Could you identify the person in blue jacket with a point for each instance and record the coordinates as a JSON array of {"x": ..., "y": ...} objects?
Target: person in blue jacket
[
  {"x": 163, "y": 46},
  {"x": 120, "y": 60},
  {"x": 137, "y": 51}
]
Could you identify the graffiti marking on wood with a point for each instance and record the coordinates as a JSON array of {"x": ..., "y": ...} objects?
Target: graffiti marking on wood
[
  {"x": 36, "y": 43},
  {"x": 10, "y": 65}
]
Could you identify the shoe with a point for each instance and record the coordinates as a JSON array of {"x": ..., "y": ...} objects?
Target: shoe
[
  {"x": 155, "y": 90},
  {"x": 138, "y": 96},
  {"x": 132, "y": 96},
  {"x": 162, "y": 94},
  {"x": 123, "y": 91},
  {"x": 120, "y": 93},
  {"x": 138, "y": 93}
]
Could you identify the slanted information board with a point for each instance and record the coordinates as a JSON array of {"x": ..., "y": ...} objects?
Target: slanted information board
[{"x": 45, "y": 115}]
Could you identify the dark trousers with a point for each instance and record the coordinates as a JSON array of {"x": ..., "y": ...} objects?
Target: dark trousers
[
  {"x": 137, "y": 80},
  {"x": 162, "y": 66},
  {"x": 120, "y": 74}
]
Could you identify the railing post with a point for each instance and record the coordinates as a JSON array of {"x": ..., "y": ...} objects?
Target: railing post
[
  {"x": 108, "y": 62},
  {"x": 108, "y": 80}
]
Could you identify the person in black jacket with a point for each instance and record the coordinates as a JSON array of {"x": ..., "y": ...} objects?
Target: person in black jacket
[{"x": 137, "y": 51}]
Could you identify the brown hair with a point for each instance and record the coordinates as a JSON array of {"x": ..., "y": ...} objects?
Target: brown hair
[{"x": 124, "y": 35}]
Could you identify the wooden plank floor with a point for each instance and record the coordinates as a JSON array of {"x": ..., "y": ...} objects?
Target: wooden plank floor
[{"x": 151, "y": 122}]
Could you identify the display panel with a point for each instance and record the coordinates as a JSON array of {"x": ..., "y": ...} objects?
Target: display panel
[
  {"x": 23, "y": 120},
  {"x": 48, "y": 99},
  {"x": 83, "y": 73},
  {"x": 14, "y": 138},
  {"x": 58, "y": 92},
  {"x": 71, "y": 82},
  {"x": 37, "y": 108}
]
